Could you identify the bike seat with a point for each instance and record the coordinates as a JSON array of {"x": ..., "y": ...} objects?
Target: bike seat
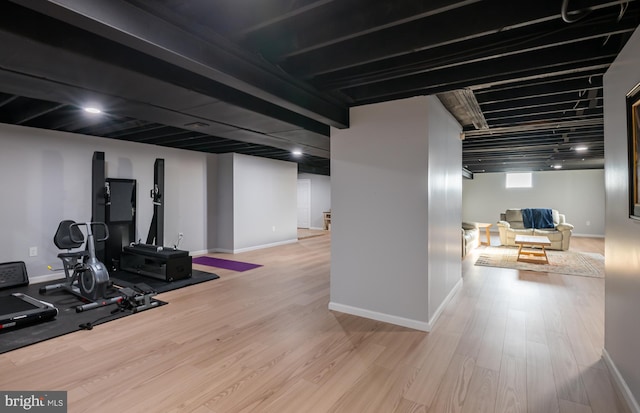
[{"x": 76, "y": 254}]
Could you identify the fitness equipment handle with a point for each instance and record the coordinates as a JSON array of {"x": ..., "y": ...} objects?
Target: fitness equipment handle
[{"x": 88, "y": 226}]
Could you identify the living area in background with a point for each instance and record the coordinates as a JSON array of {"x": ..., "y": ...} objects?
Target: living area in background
[{"x": 576, "y": 196}]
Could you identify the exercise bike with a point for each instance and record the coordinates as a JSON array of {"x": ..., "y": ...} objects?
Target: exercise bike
[{"x": 85, "y": 276}]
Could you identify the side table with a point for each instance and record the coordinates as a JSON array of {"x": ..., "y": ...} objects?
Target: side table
[{"x": 486, "y": 227}]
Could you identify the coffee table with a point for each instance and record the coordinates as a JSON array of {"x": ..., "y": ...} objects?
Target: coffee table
[{"x": 529, "y": 255}]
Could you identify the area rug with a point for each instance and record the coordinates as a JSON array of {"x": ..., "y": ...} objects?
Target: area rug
[
  {"x": 226, "y": 264},
  {"x": 560, "y": 262}
]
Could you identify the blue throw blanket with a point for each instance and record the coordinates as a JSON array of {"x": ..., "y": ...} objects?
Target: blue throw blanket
[{"x": 537, "y": 218}]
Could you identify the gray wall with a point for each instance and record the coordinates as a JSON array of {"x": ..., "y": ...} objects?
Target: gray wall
[
  {"x": 46, "y": 177},
  {"x": 445, "y": 200},
  {"x": 257, "y": 202},
  {"x": 265, "y": 202},
  {"x": 320, "y": 198},
  {"x": 577, "y": 194},
  {"x": 224, "y": 203},
  {"x": 212, "y": 204},
  {"x": 622, "y": 249},
  {"x": 383, "y": 191}
]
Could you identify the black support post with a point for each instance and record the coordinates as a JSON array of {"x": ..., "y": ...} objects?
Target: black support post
[
  {"x": 156, "y": 231},
  {"x": 98, "y": 199}
]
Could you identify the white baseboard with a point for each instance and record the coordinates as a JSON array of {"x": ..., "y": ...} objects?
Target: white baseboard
[
  {"x": 201, "y": 252},
  {"x": 46, "y": 277},
  {"x": 257, "y": 247},
  {"x": 620, "y": 384},
  {"x": 374, "y": 315},
  {"x": 273, "y": 244},
  {"x": 392, "y": 319},
  {"x": 587, "y": 235},
  {"x": 441, "y": 307}
]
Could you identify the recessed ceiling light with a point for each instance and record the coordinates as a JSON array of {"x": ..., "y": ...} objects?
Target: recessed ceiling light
[
  {"x": 296, "y": 152},
  {"x": 92, "y": 110},
  {"x": 557, "y": 166},
  {"x": 581, "y": 148}
]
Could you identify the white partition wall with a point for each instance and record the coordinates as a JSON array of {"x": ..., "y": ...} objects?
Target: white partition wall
[
  {"x": 396, "y": 204},
  {"x": 622, "y": 249},
  {"x": 257, "y": 202},
  {"x": 224, "y": 203},
  {"x": 445, "y": 205}
]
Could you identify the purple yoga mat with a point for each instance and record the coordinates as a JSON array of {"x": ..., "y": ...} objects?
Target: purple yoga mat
[{"x": 226, "y": 264}]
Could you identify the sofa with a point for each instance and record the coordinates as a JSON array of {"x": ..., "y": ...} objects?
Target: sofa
[
  {"x": 470, "y": 237},
  {"x": 511, "y": 224}
]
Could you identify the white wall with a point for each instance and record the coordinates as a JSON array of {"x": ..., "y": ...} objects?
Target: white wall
[
  {"x": 224, "y": 203},
  {"x": 622, "y": 249},
  {"x": 577, "y": 194},
  {"x": 381, "y": 186},
  {"x": 320, "y": 198},
  {"x": 46, "y": 177},
  {"x": 445, "y": 204},
  {"x": 227, "y": 202},
  {"x": 257, "y": 202},
  {"x": 211, "y": 197}
]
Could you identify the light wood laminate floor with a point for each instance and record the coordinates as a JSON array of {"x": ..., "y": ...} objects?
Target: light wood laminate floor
[{"x": 264, "y": 341}]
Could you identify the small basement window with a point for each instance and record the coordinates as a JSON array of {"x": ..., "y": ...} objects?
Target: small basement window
[{"x": 519, "y": 180}]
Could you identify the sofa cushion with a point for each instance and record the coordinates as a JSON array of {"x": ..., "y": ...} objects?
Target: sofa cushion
[
  {"x": 470, "y": 237},
  {"x": 511, "y": 235},
  {"x": 553, "y": 235},
  {"x": 513, "y": 215},
  {"x": 522, "y": 231},
  {"x": 469, "y": 226},
  {"x": 514, "y": 218}
]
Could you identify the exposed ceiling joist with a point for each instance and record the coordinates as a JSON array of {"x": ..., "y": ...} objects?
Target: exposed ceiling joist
[
  {"x": 430, "y": 32},
  {"x": 264, "y": 80},
  {"x": 219, "y": 61}
]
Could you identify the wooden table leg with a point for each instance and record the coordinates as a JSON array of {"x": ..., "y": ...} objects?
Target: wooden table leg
[
  {"x": 519, "y": 251},
  {"x": 524, "y": 256},
  {"x": 545, "y": 255}
]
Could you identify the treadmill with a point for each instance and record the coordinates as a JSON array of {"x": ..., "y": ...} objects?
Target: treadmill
[{"x": 17, "y": 310}]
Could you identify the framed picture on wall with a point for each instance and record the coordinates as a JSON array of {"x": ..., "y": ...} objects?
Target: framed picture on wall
[{"x": 633, "y": 133}]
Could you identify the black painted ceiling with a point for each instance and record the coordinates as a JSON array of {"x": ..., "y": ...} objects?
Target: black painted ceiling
[{"x": 265, "y": 77}]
